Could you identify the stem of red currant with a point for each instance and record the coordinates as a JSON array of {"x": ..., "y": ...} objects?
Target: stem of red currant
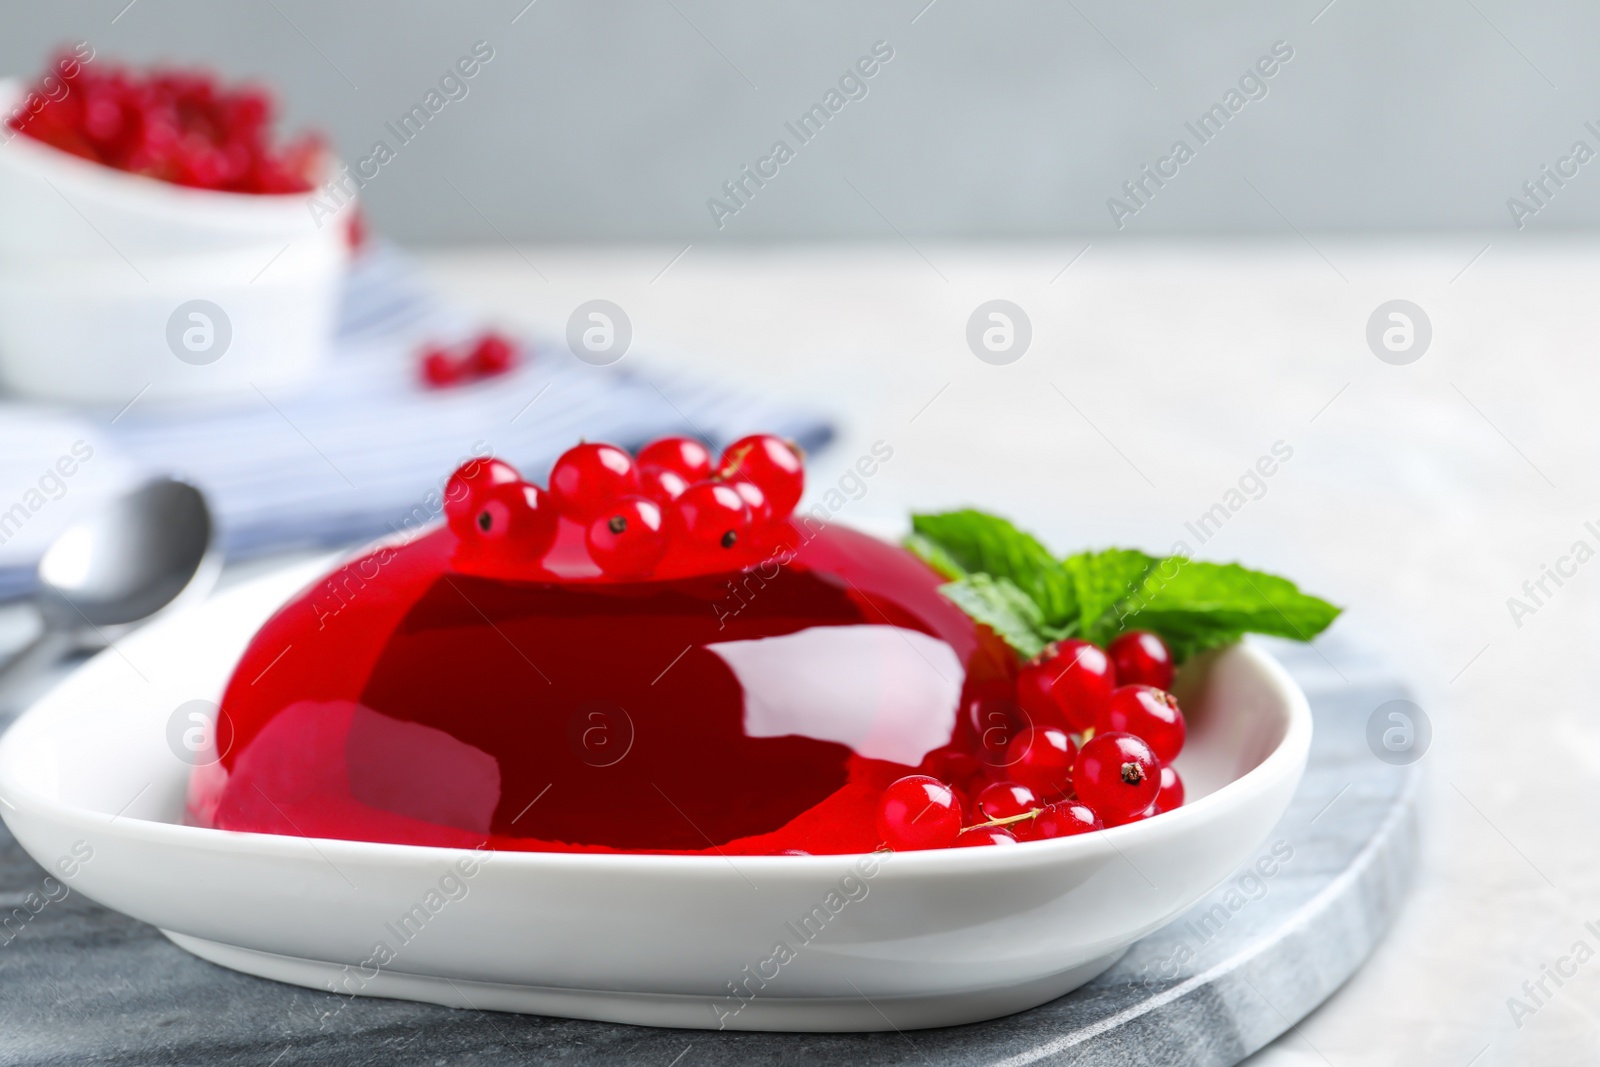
[
  {"x": 731, "y": 464},
  {"x": 1006, "y": 821}
]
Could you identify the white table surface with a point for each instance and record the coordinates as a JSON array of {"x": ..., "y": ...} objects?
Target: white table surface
[{"x": 1420, "y": 496}]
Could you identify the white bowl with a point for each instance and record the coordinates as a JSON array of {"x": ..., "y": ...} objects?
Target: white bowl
[
  {"x": 58, "y": 206},
  {"x": 169, "y": 328},
  {"x": 92, "y": 788},
  {"x": 97, "y": 267}
]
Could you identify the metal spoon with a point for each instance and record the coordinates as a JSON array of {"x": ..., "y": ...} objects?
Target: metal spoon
[{"x": 141, "y": 553}]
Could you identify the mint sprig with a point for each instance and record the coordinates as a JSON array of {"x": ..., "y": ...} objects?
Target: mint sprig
[
  {"x": 999, "y": 604},
  {"x": 959, "y": 543},
  {"x": 1005, "y": 579}
]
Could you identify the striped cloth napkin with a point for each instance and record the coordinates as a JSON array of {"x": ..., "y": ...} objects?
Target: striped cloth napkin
[{"x": 357, "y": 453}]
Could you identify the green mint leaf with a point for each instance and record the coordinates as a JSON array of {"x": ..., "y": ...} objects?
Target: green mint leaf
[
  {"x": 1005, "y": 609},
  {"x": 1196, "y": 605},
  {"x": 935, "y": 557},
  {"x": 1101, "y": 580},
  {"x": 960, "y": 543},
  {"x": 1005, "y": 579},
  {"x": 1189, "y": 636}
]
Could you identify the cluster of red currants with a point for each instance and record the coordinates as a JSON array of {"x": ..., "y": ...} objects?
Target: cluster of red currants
[
  {"x": 1097, "y": 754},
  {"x": 178, "y": 126},
  {"x": 634, "y": 511},
  {"x": 489, "y": 355}
]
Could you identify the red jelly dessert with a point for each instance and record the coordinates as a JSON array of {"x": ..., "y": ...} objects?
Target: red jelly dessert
[
  {"x": 709, "y": 684},
  {"x": 177, "y": 126}
]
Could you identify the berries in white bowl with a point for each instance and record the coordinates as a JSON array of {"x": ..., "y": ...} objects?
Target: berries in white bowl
[{"x": 154, "y": 237}]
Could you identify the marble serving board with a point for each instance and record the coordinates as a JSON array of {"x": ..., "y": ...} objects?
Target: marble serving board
[{"x": 83, "y": 985}]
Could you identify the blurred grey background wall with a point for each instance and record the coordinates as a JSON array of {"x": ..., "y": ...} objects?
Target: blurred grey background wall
[{"x": 615, "y": 120}]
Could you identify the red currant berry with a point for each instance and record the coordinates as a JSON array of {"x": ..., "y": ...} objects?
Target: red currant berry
[
  {"x": 919, "y": 812},
  {"x": 493, "y": 354},
  {"x": 1002, "y": 800},
  {"x": 661, "y": 484},
  {"x": 440, "y": 369},
  {"x": 463, "y": 493},
  {"x": 1033, "y": 689},
  {"x": 627, "y": 541},
  {"x": 773, "y": 464},
  {"x": 1141, "y": 658},
  {"x": 683, "y": 455},
  {"x": 712, "y": 515},
  {"x": 1171, "y": 795},
  {"x": 1062, "y": 820},
  {"x": 517, "y": 516},
  {"x": 1040, "y": 757},
  {"x": 996, "y": 721},
  {"x": 1148, "y": 713},
  {"x": 1117, "y": 775},
  {"x": 985, "y": 835},
  {"x": 1066, "y": 685},
  {"x": 357, "y": 232},
  {"x": 589, "y": 477},
  {"x": 756, "y": 501}
]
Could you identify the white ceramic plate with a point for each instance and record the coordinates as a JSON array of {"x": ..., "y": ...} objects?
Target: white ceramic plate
[{"x": 90, "y": 786}]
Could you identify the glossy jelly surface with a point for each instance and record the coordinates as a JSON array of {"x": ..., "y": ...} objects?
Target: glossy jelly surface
[{"x": 415, "y": 697}]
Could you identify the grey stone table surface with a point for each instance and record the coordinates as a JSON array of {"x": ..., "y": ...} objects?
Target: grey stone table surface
[{"x": 80, "y": 984}]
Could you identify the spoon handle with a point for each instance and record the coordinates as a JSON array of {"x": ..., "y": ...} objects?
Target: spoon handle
[{"x": 36, "y": 657}]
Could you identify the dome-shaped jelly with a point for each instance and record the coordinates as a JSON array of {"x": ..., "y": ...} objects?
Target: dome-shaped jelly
[{"x": 415, "y": 697}]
